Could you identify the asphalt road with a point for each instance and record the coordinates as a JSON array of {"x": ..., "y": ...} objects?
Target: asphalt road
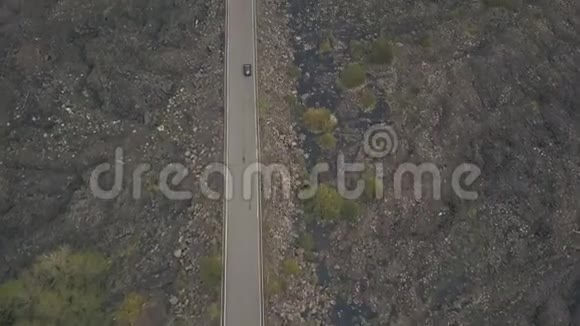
[{"x": 242, "y": 282}]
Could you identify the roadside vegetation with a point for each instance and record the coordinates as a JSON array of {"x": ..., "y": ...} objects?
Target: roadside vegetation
[
  {"x": 381, "y": 52},
  {"x": 211, "y": 271},
  {"x": 358, "y": 50},
  {"x": 352, "y": 76},
  {"x": 213, "y": 313},
  {"x": 306, "y": 242},
  {"x": 60, "y": 288},
  {"x": 319, "y": 120},
  {"x": 326, "y": 141},
  {"x": 349, "y": 211},
  {"x": 425, "y": 41},
  {"x": 290, "y": 267},
  {"x": 326, "y": 203},
  {"x": 131, "y": 309},
  {"x": 372, "y": 188},
  {"x": 325, "y": 46},
  {"x": 368, "y": 100}
]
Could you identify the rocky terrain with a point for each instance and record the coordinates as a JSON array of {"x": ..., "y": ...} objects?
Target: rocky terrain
[
  {"x": 79, "y": 80},
  {"x": 491, "y": 83},
  {"x": 288, "y": 295}
]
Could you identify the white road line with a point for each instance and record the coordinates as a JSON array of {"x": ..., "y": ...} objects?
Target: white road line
[
  {"x": 226, "y": 162},
  {"x": 259, "y": 183}
]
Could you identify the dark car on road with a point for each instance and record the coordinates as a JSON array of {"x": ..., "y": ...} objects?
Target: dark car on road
[{"x": 247, "y": 70}]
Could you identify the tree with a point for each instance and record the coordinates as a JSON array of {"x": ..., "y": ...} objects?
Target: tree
[
  {"x": 326, "y": 203},
  {"x": 61, "y": 288},
  {"x": 353, "y": 75},
  {"x": 319, "y": 120},
  {"x": 381, "y": 52}
]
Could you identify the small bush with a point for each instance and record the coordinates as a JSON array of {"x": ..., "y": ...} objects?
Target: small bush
[
  {"x": 131, "y": 309},
  {"x": 263, "y": 105},
  {"x": 358, "y": 50},
  {"x": 290, "y": 267},
  {"x": 61, "y": 288},
  {"x": 294, "y": 104},
  {"x": 368, "y": 99},
  {"x": 349, "y": 210},
  {"x": 306, "y": 242},
  {"x": 353, "y": 75},
  {"x": 319, "y": 120},
  {"x": 294, "y": 72},
  {"x": 211, "y": 271},
  {"x": 325, "y": 46},
  {"x": 381, "y": 52},
  {"x": 213, "y": 312},
  {"x": 326, "y": 203},
  {"x": 425, "y": 41},
  {"x": 291, "y": 100},
  {"x": 326, "y": 141},
  {"x": 276, "y": 286},
  {"x": 371, "y": 188}
]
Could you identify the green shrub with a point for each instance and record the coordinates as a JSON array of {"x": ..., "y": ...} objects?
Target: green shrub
[
  {"x": 276, "y": 286},
  {"x": 211, "y": 271},
  {"x": 326, "y": 141},
  {"x": 371, "y": 187},
  {"x": 131, "y": 309},
  {"x": 353, "y": 75},
  {"x": 326, "y": 203},
  {"x": 425, "y": 41},
  {"x": 319, "y": 120},
  {"x": 381, "y": 52},
  {"x": 294, "y": 72},
  {"x": 306, "y": 242},
  {"x": 61, "y": 288},
  {"x": 294, "y": 104},
  {"x": 290, "y": 267},
  {"x": 213, "y": 312},
  {"x": 358, "y": 50},
  {"x": 291, "y": 100},
  {"x": 263, "y": 105},
  {"x": 349, "y": 210},
  {"x": 325, "y": 46},
  {"x": 368, "y": 99}
]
